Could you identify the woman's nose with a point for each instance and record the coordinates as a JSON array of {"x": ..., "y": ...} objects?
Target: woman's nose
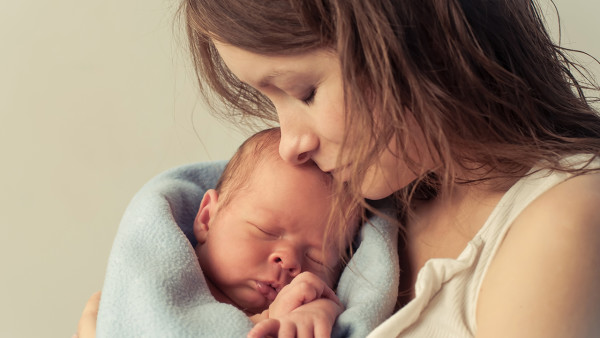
[
  {"x": 298, "y": 141},
  {"x": 288, "y": 261},
  {"x": 297, "y": 148}
]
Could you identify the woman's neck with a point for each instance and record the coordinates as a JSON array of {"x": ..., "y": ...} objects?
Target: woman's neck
[{"x": 442, "y": 226}]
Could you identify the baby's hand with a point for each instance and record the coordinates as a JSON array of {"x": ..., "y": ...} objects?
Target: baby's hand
[
  {"x": 304, "y": 288},
  {"x": 314, "y": 319},
  {"x": 306, "y": 307}
]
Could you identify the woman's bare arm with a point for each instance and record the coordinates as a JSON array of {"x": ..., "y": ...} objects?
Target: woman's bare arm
[{"x": 545, "y": 278}]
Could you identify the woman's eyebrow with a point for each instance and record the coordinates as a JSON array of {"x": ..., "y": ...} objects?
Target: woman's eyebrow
[{"x": 268, "y": 79}]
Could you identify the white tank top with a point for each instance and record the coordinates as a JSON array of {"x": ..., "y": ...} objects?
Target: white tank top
[{"x": 446, "y": 289}]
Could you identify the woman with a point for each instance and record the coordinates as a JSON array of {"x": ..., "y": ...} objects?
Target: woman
[{"x": 466, "y": 112}]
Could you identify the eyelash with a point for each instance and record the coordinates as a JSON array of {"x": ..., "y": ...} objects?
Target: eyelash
[
  {"x": 315, "y": 260},
  {"x": 265, "y": 232},
  {"x": 310, "y": 98}
]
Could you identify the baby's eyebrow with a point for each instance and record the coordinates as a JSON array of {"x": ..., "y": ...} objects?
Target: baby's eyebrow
[{"x": 265, "y": 215}]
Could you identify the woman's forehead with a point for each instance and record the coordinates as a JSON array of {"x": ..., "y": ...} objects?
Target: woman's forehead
[{"x": 261, "y": 70}]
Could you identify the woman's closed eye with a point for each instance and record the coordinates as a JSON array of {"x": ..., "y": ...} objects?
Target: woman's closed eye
[{"x": 310, "y": 97}]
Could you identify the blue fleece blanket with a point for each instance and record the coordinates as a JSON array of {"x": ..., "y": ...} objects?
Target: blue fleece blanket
[{"x": 154, "y": 286}]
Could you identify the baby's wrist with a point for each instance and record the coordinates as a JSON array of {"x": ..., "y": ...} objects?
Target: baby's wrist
[{"x": 259, "y": 317}]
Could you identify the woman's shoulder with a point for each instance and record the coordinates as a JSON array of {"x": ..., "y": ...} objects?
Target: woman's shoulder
[
  {"x": 570, "y": 204},
  {"x": 545, "y": 275}
]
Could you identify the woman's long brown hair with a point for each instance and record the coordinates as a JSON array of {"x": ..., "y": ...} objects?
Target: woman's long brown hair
[{"x": 484, "y": 81}]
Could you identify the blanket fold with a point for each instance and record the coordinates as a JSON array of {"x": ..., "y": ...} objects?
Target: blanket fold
[{"x": 154, "y": 286}]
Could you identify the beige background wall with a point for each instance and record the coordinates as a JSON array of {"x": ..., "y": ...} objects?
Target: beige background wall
[{"x": 96, "y": 98}]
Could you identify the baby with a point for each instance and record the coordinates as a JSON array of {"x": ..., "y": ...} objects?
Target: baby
[{"x": 260, "y": 240}]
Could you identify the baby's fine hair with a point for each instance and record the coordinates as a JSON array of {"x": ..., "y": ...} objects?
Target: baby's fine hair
[
  {"x": 258, "y": 148},
  {"x": 250, "y": 155}
]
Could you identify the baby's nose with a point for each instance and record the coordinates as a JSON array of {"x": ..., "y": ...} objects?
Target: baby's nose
[{"x": 288, "y": 263}]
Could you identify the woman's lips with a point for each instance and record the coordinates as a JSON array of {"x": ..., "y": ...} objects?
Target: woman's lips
[{"x": 267, "y": 290}]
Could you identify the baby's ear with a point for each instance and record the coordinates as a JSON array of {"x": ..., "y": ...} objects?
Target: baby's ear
[{"x": 207, "y": 210}]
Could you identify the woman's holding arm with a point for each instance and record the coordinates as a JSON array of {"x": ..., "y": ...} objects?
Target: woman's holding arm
[{"x": 87, "y": 323}]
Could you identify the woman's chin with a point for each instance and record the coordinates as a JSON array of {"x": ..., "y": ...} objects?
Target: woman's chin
[
  {"x": 382, "y": 181},
  {"x": 376, "y": 191}
]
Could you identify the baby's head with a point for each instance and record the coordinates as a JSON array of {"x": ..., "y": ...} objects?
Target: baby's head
[{"x": 263, "y": 225}]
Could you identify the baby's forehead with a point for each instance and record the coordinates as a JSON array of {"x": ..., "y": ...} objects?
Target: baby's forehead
[{"x": 278, "y": 169}]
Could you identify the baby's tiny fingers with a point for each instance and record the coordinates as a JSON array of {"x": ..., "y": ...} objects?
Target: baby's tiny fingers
[
  {"x": 266, "y": 328},
  {"x": 322, "y": 329},
  {"x": 330, "y": 294},
  {"x": 287, "y": 329}
]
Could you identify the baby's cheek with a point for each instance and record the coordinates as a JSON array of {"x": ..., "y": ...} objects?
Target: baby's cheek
[{"x": 333, "y": 276}]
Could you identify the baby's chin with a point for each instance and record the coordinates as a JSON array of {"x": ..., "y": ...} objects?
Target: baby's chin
[
  {"x": 250, "y": 303},
  {"x": 254, "y": 306}
]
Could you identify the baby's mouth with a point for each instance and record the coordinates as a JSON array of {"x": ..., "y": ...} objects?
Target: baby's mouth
[{"x": 267, "y": 289}]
